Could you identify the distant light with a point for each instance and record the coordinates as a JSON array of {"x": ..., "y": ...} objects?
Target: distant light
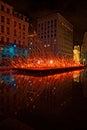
[
  {"x": 55, "y": 40},
  {"x": 29, "y": 48},
  {"x": 14, "y": 45},
  {"x": 38, "y": 62},
  {"x": 30, "y": 43},
  {"x": 45, "y": 45},
  {"x": 1, "y": 48},
  {"x": 51, "y": 61},
  {"x": 11, "y": 50},
  {"x": 29, "y": 81},
  {"x": 48, "y": 45},
  {"x": 14, "y": 85}
]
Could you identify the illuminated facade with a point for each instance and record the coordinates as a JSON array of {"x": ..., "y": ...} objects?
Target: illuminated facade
[
  {"x": 84, "y": 49},
  {"x": 13, "y": 26},
  {"x": 56, "y": 33},
  {"x": 76, "y": 53},
  {"x": 35, "y": 46}
]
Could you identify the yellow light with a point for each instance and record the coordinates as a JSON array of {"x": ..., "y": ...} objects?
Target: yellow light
[{"x": 1, "y": 48}]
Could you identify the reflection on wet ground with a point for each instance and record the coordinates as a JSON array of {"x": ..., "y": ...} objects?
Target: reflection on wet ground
[{"x": 47, "y": 102}]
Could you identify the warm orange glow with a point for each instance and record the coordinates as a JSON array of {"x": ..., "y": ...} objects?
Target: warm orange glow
[
  {"x": 43, "y": 63},
  {"x": 42, "y": 58},
  {"x": 30, "y": 88}
]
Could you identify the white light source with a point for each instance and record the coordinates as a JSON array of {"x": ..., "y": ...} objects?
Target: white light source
[
  {"x": 51, "y": 61},
  {"x": 45, "y": 45},
  {"x": 31, "y": 43},
  {"x": 38, "y": 62}
]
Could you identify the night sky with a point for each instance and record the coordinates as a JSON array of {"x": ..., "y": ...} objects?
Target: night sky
[{"x": 75, "y": 11}]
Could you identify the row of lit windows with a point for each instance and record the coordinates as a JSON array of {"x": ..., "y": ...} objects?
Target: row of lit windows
[
  {"x": 19, "y": 24},
  {"x": 3, "y": 39},
  {"x": 47, "y": 36},
  {"x": 9, "y": 11},
  {"x": 20, "y": 16},
  {"x": 48, "y": 24},
  {"x": 49, "y": 29},
  {"x": 2, "y": 30},
  {"x": 4, "y": 8},
  {"x": 2, "y": 20},
  {"x": 15, "y": 23},
  {"x": 15, "y": 34}
]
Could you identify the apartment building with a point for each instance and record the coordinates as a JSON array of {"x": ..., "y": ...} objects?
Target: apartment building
[
  {"x": 56, "y": 33},
  {"x": 84, "y": 49},
  {"x": 13, "y": 26}
]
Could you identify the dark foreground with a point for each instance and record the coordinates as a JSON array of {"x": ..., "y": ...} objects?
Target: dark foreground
[
  {"x": 47, "y": 71},
  {"x": 34, "y": 102}
]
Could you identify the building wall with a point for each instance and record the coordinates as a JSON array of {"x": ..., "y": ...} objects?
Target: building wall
[
  {"x": 65, "y": 36},
  {"x": 84, "y": 49},
  {"x": 13, "y": 26},
  {"x": 56, "y": 34}
]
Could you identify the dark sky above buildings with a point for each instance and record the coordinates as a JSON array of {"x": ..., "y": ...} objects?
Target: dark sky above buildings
[{"x": 73, "y": 10}]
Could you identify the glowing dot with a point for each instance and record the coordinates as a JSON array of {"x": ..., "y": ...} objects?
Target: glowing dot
[
  {"x": 38, "y": 62},
  {"x": 14, "y": 45},
  {"x": 51, "y": 61},
  {"x": 31, "y": 43},
  {"x": 44, "y": 45}
]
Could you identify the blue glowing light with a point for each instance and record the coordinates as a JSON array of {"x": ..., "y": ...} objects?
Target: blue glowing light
[{"x": 8, "y": 80}]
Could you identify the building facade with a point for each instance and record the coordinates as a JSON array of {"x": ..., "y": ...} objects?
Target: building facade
[
  {"x": 56, "y": 33},
  {"x": 84, "y": 49},
  {"x": 13, "y": 26}
]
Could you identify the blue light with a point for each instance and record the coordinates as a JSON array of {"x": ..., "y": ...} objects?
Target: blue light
[
  {"x": 14, "y": 85},
  {"x": 15, "y": 45},
  {"x": 11, "y": 49}
]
